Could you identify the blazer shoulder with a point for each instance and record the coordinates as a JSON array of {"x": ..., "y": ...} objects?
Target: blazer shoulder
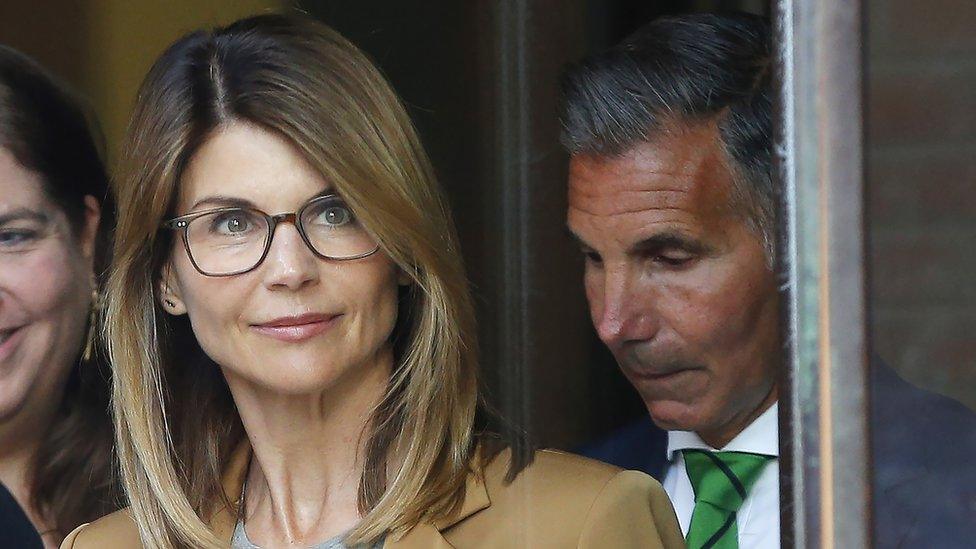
[
  {"x": 564, "y": 500},
  {"x": 556, "y": 475},
  {"x": 547, "y": 463},
  {"x": 115, "y": 531}
]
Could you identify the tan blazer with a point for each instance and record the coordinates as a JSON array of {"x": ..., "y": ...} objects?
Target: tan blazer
[{"x": 560, "y": 500}]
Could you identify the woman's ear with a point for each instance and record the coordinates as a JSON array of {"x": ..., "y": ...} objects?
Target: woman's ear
[
  {"x": 170, "y": 296},
  {"x": 89, "y": 231},
  {"x": 403, "y": 279}
]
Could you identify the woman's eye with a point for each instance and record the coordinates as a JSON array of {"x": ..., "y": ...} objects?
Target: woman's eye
[
  {"x": 335, "y": 216},
  {"x": 233, "y": 223},
  {"x": 12, "y": 239}
]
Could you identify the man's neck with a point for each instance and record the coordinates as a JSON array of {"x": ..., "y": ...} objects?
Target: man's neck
[{"x": 721, "y": 437}]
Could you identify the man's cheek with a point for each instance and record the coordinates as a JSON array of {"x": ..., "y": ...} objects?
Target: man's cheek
[{"x": 594, "y": 294}]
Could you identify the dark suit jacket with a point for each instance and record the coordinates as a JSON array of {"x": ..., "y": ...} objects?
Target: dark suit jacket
[
  {"x": 16, "y": 529},
  {"x": 924, "y": 448}
]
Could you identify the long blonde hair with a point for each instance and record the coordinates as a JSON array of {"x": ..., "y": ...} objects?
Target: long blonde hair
[{"x": 304, "y": 81}]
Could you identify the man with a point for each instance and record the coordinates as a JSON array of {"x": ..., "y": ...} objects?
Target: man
[{"x": 671, "y": 197}]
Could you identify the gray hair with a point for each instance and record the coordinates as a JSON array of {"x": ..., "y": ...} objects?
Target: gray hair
[{"x": 684, "y": 69}]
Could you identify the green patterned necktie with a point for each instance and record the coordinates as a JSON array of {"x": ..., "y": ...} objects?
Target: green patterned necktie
[{"x": 721, "y": 481}]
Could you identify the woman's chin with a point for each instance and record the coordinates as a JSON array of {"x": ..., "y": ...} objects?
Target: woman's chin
[
  {"x": 300, "y": 375},
  {"x": 291, "y": 381},
  {"x": 13, "y": 396}
]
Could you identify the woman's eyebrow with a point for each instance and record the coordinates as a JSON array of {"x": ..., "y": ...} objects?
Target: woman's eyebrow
[
  {"x": 19, "y": 214},
  {"x": 221, "y": 201},
  {"x": 328, "y": 191}
]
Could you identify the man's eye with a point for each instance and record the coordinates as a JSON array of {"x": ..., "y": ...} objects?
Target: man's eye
[
  {"x": 592, "y": 257},
  {"x": 673, "y": 260}
]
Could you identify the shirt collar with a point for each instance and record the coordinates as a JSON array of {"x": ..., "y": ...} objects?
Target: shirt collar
[{"x": 760, "y": 437}]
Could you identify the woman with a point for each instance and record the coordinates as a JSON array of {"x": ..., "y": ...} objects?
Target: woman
[
  {"x": 291, "y": 327},
  {"x": 55, "y": 432}
]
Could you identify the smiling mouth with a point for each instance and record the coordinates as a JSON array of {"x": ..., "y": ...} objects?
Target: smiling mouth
[
  {"x": 6, "y": 336},
  {"x": 297, "y": 328}
]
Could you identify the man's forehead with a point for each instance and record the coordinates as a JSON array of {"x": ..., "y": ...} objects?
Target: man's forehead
[{"x": 684, "y": 168}]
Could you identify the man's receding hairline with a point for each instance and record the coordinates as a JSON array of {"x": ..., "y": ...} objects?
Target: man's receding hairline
[
  {"x": 670, "y": 127},
  {"x": 664, "y": 127}
]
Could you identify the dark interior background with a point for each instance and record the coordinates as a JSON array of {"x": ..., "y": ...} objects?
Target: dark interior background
[{"x": 480, "y": 80}]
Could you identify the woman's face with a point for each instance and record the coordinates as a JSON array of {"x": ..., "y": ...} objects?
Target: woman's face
[
  {"x": 45, "y": 290},
  {"x": 296, "y": 324}
]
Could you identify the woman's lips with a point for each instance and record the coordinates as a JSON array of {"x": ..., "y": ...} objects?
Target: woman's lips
[
  {"x": 296, "y": 328},
  {"x": 8, "y": 340}
]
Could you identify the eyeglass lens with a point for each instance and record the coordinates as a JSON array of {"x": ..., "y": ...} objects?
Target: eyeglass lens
[{"x": 234, "y": 240}]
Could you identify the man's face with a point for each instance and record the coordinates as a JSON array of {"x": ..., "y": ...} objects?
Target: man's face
[{"x": 678, "y": 283}]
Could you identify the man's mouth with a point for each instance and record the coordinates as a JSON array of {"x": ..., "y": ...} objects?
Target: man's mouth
[
  {"x": 660, "y": 372},
  {"x": 652, "y": 375}
]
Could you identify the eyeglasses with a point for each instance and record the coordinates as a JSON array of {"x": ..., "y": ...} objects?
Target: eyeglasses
[{"x": 235, "y": 240}]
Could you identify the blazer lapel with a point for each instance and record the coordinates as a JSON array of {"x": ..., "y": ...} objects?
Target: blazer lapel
[
  {"x": 428, "y": 535},
  {"x": 422, "y": 536}
]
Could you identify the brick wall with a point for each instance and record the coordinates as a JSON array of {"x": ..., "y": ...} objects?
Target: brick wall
[{"x": 921, "y": 158}]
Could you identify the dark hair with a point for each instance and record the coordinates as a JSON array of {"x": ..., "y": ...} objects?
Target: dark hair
[
  {"x": 683, "y": 69},
  {"x": 47, "y": 132}
]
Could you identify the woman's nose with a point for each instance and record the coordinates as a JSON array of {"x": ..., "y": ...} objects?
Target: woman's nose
[{"x": 290, "y": 264}]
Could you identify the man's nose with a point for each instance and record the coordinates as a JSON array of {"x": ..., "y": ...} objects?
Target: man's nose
[
  {"x": 624, "y": 315},
  {"x": 290, "y": 263}
]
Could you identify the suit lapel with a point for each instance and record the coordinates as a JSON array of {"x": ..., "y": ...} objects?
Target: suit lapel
[{"x": 657, "y": 453}]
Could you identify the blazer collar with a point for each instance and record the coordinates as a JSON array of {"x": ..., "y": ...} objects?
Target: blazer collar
[{"x": 424, "y": 535}]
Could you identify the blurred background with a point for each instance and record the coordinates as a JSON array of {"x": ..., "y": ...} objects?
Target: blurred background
[
  {"x": 921, "y": 167},
  {"x": 480, "y": 80}
]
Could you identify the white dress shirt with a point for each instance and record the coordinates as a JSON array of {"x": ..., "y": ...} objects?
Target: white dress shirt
[{"x": 758, "y": 518}]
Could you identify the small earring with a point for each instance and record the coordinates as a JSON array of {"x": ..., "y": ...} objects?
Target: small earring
[
  {"x": 167, "y": 301},
  {"x": 90, "y": 337}
]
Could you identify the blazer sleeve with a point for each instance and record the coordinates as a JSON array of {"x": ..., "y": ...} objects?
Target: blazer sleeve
[{"x": 631, "y": 511}]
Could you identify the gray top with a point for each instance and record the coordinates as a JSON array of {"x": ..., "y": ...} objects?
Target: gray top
[{"x": 241, "y": 541}]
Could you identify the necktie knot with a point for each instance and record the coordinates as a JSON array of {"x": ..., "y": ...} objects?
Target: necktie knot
[{"x": 723, "y": 479}]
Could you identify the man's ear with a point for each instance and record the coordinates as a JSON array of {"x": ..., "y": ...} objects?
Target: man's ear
[{"x": 170, "y": 296}]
